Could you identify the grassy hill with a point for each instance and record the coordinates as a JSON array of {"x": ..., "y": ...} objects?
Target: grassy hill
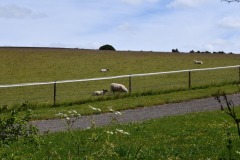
[
  {"x": 24, "y": 65},
  {"x": 21, "y": 65}
]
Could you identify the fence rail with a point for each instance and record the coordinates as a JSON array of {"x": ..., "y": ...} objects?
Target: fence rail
[
  {"x": 115, "y": 77},
  {"x": 130, "y": 76}
]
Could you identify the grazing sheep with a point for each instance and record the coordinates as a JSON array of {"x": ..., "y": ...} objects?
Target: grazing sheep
[
  {"x": 198, "y": 62},
  {"x": 104, "y": 70},
  {"x": 98, "y": 93},
  {"x": 115, "y": 87}
]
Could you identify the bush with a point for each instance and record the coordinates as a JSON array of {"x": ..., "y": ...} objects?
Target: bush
[
  {"x": 14, "y": 126},
  {"x": 192, "y": 51},
  {"x": 107, "y": 47},
  {"x": 175, "y": 50}
]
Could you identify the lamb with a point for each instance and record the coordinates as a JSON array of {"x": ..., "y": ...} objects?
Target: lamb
[
  {"x": 98, "y": 93},
  {"x": 116, "y": 87},
  {"x": 198, "y": 62},
  {"x": 104, "y": 70}
]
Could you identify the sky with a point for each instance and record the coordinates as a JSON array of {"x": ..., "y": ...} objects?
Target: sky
[{"x": 136, "y": 25}]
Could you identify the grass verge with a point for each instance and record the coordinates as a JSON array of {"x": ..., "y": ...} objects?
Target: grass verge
[{"x": 192, "y": 136}]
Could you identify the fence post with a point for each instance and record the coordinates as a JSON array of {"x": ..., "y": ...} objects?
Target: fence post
[
  {"x": 54, "y": 93},
  {"x": 189, "y": 79},
  {"x": 130, "y": 84},
  {"x": 239, "y": 73}
]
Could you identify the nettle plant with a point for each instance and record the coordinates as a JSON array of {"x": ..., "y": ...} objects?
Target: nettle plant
[
  {"x": 228, "y": 107},
  {"x": 14, "y": 126}
]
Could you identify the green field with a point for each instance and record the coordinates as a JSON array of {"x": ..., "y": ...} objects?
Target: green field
[
  {"x": 25, "y": 65},
  {"x": 22, "y": 65}
]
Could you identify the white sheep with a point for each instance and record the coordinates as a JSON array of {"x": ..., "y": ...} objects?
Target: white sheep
[
  {"x": 104, "y": 70},
  {"x": 98, "y": 93},
  {"x": 116, "y": 87},
  {"x": 198, "y": 62}
]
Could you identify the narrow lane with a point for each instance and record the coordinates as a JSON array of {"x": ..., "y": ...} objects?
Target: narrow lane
[{"x": 137, "y": 115}]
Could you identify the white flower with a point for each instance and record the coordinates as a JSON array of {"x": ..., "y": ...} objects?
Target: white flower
[
  {"x": 118, "y": 113},
  {"x": 109, "y": 132},
  {"x": 126, "y": 133},
  {"x": 65, "y": 115},
  {"x": 95, "y": 109},
  {"x": 67, "y": 118},
  {"x": 121, "y": 131},
  {"x": 110, "y": 109},
  {"x": 74, "y": 111},
  {"x": 59, "y": 114}
]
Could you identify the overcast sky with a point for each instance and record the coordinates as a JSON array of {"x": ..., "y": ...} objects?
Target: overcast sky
[{"x": 148, "y": 25}]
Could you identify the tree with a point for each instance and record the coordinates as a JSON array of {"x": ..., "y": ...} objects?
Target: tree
[
  {"x": 192, "y": 51},
  {"x": 107, "y": 47},
  {"x": 175, "y": 50},
  {"x": 229, "y": 1}
]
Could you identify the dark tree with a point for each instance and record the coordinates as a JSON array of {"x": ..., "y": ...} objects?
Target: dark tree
[
  {"x": 229, "y": 1},
  {"x": 175, "y": 50},
  {"x": 107, "y": 47},
  {"x": 192, "y": 51}
]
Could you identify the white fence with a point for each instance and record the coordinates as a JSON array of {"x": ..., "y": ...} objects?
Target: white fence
[{"x": 129, "y": 77}]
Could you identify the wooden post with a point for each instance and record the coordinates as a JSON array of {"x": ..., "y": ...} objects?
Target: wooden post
[
  {"x": 130, "y": 84},
  {"x": 239, "y": 73},
  {"x": 189, "y": 79},
  {"x": 54, "y": 93}
]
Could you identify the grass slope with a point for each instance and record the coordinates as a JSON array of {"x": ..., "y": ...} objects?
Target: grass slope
[{"x": 21, "y": 65}]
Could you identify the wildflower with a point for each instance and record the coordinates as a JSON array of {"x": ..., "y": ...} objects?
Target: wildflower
[
  {"x": 59, "y": 114},
  {"x": 62, "y": 115},
  {"x": 67, "y": 118},
  {"x": 109, "y": 132},
  {"x": 110, "y": 109},
  {"x": 121, "y": 131},
  {"x": 118, "y": 113},
  {"x": 74, "y": 111},
  {"x": 65, "y": 115},
  {"x": 95, "y": 109}
]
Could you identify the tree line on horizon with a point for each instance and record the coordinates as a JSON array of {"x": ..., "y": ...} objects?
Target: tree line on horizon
[{"x": 111, "y": 48}]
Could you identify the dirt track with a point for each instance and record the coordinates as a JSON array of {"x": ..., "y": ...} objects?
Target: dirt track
[{"x": 141, "y": 114}]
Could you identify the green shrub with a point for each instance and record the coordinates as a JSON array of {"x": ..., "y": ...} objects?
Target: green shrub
[
  {"x": 107, "y": 47},
  {"x": 14, "y": 126}
]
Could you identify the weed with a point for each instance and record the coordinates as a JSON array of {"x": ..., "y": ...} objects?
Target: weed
[
  {"x": 228, "y": 107},
  {"x": 108, "y": 149}
]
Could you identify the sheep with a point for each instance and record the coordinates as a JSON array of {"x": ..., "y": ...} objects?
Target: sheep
[
  {"x": 104, "y": 70},
  {"x": 116, "y": 87},
  {"x": 98, "y": 93},
  {"x": 198, "y": 62}
]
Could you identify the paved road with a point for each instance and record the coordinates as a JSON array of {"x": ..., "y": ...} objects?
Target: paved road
[{"x": 137, "y": 115}]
